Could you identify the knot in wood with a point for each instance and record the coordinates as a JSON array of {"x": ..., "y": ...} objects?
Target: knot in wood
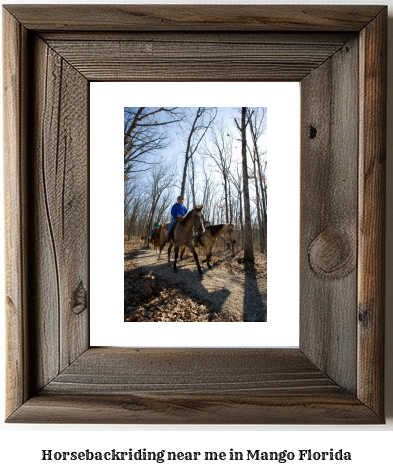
[
  {"x": 363, "y": 316},
  {"x": 80, "y": 299},
  {"x": 330, "y": 254},
  {"x": 313, "y": 132}
]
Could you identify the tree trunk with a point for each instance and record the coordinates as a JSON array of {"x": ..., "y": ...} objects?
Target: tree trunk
[
  {"x": 263, "y": 190},
  {"x": 183, "y": 183},
  {"x": 226, "y": 198},
  {"x": 264, "y": 232},
  {"x": 241, "y": 211},
  {"x": 193, "y": 181},
  {"x": 248, "y": 246},
  {"x": 232, "y": 246},
  {"x": 150, "y": 220},
  {"x": 260, "y": 229},
  {"x": 263, "y": 206}
]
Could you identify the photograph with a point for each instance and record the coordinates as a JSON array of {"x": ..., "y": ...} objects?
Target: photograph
[{"x": 195, "y": 214}]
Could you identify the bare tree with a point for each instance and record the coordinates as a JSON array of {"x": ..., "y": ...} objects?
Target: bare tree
[
  {"x": 133, "y": 218},
  {"x": 164, "y": 204},
  {"x": 220, "y": 150},
  {"x": 237, "y": 181},
  {"x": 145, "y": 134},
  {"x": 209, "y": 189},
  {"x": 260, "y": 233},
  {"x": 197, "y": 128},
  {"x": 130, "y": 186},
  {"x": 133, "y": 196},
  {"x": 160, "y": 179},
  {"x": 257, "y": 121},
  {"x": 248, "y": 243},
  {"x": 192, "y": 181}
]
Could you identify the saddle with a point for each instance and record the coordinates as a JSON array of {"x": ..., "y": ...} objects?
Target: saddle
[{"x": 172, "y": 234}]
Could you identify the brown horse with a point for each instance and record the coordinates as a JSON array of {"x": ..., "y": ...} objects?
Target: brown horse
[
  {"x": 163, "y": 238},
  {"x": 157, "y": 238},
  {"x": 210, "y": 236},
  {"x": 183, "y": 235},
  {"x": 212, "y": 233}
]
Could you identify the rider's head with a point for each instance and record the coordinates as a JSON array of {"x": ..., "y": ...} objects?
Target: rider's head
[{"x": 180, "y": 199}]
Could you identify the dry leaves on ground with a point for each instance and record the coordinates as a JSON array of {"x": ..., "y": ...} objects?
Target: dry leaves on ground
[
  {"x": 147, "y": 299},
  {"x": 150, "y": 298}
]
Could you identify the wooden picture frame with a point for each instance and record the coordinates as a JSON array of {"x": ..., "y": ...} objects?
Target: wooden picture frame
[{"x": 338, "y": 54}]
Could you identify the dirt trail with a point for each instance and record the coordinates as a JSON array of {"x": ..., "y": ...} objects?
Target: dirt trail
[{"x": 227, "y": 288}]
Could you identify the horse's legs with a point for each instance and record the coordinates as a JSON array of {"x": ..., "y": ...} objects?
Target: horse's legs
[
  {"x": 161, "y": 247},
  {"x": 208, "y": 257},
  {"x": 158, "y": 239},
  {"x": 182, "y": 252},
  {"x": 169, "y": 252},
  {"x": 176, "y": 255},
  {"x": 192, "y": 250}
]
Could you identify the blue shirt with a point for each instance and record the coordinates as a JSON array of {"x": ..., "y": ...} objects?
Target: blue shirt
[{"x": 178, "y": 209}]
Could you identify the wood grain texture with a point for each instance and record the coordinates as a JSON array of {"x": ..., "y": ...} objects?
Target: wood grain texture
[
  {"x": 329, "y": 169},
  {"x": 193, "y": 386},
  {"x": 185, "y": 371},
  {"x": 14, "y": 74},
  {"x": 60, "y": 115},
  {"x": 239, "y": 409},
  {"x": 371, "y": 260},
  {"x": 201, "y": 37},
  {"x": 190, "y": 17},
  {"x": 216, "y": 60}
]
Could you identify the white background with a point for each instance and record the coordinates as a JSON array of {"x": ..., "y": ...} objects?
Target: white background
[
  {"x": 20, "y": 445},
  {"x": 107, "y": 327}
]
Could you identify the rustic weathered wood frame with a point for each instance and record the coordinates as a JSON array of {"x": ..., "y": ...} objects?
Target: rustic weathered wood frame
[{"x": 339, "y": 56}]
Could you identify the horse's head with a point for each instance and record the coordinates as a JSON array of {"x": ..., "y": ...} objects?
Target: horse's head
[
  {"x": 198, "y": 219},
  {"x": 231, "y": 233}
]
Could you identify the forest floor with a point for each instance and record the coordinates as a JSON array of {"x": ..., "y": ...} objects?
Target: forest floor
[{"x": 231, "y": 292}]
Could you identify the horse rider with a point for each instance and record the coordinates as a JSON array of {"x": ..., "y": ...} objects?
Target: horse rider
[
  {"x": 156, "y": 227},
  {"x": 178, "y": 210}
]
